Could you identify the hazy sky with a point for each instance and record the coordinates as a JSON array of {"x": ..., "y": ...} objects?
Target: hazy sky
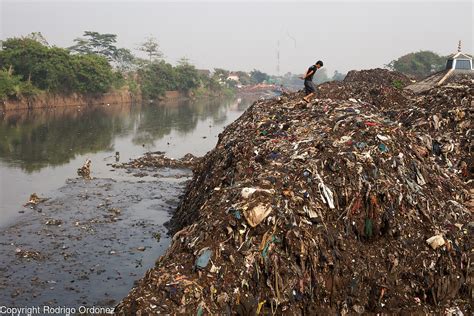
[{"x": 240, "y": 35}]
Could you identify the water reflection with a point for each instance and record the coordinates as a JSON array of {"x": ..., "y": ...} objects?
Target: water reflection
[
  {"x": 156, "y": 122},
  {"x": 32, "y": 140}
]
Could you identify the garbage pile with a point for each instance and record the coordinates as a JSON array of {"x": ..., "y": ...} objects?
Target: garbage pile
[
  {"x": 377, "y": 76},
  {"x": 457, "y": 77},
  {"x": 442, "y": 118},
  {"x": 35, "y": 200},
  {"x": 85, "y": 170},
  {"x": 159, "y": 160},
  {"x": 325, "y": 208},
  {"x": 380, "y": 87},
  {"x": 29, "y": 254}
]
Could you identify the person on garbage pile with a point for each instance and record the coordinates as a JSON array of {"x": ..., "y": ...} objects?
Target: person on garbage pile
[{"x": 309, "y": 87}]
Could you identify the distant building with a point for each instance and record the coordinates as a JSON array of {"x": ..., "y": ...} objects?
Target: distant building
[
  {"x": 457, "y": 64},
  {"x": 459, "y": 61},
  {"x": 233, "y": 76}
]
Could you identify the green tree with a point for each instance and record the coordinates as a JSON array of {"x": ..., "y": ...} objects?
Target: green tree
[
  {"x": 156, "y": 78},
  {"x": 54, "y": 69},
  {"x": 38, "y": 36},
  {"x": 221, "y": 74},
  {"x": 55, "y": 72},
  {"x": 96, "y": 43},
  {"x": 419, "y": 65},
  {"x": 9, "y": 84},
  {"x": 258, "y": 76},
  {"x": 24, "y": 55},
  {"x": 211, "y": 83},
  {"x": 244, "y": 78},
  {"x": 94, "y": 74},
  {"x": 186, "y": 75},
  {"x": 151, "y": 48},
  {"x": 47, "y": 68},
  {"x": 124, "y": 60}
]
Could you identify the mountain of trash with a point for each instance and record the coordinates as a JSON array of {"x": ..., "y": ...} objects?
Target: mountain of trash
[{"x": 358, "y": 202}]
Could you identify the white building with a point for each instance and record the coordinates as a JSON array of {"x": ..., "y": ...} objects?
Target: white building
[
  {"x": 459, "y": 61},
  {"x": 457, "y": 64}
]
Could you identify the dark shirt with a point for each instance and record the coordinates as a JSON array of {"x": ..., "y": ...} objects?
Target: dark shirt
[{"x": 314, "y": 69}]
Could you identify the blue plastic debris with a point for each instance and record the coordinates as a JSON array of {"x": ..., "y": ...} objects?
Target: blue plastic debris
[
  {"x": 237, "y": 214},
  {"x": 383, "y": 148},
  {"x": 361, "y": 145},
  {"x": 203, "y": 259}
]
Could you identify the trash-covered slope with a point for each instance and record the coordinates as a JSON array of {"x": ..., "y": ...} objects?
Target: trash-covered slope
[
  {"x": 442, "y": 118},
  {"x": 379, "y": 87},
  {"x": 315, "y": 209},
  {"x": 377, "y": 76}
]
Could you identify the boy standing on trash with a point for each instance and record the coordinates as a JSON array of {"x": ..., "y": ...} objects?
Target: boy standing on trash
[{"x": 309, "y": 87}]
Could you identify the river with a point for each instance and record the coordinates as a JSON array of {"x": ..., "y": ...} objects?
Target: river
[
  {"x": 40, "y": 149},
  {"x": 89, "y": 242}
]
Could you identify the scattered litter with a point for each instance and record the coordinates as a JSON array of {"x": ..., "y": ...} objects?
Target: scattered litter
[
  {"x": 29, "y": 254},
  {"x": 159, "y": 160},
  {"x": 54, "y": 222},
  {"x": 35, "y": 200},
  {"x": 85, "y": 170},
  {"x": 436, "y": 241},
  {"x": 257, "y": 214},
  {"x": 203, "y": 258}
]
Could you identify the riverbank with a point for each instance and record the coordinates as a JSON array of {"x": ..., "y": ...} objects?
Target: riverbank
[
  {"x": 47, "y": 100},
  {"x": 124, "y": 96},
  {"x": 359, "y": 202}
]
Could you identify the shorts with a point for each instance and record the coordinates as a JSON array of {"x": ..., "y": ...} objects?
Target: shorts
[{"x": 309, "y": 87}]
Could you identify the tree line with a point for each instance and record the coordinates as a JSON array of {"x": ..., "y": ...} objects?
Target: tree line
[
  {"x": 418, "y": 64},
  {"x": 95, "y": 65},
  {"x": 28, "y": 65}
]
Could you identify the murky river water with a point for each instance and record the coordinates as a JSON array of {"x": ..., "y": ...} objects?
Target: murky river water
[
  {"x": 91, "y": 240},
  {"x": 39, "y": 150}
]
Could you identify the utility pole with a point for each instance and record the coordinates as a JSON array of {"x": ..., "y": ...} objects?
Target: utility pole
[{"x": 278, "y": 58}]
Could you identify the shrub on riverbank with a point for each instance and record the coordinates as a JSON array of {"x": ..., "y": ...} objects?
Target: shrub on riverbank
[
  {"x": 93, "y": 74},
  {"x": 28, "y": 66},
  {"x": 12, "y": 86},
  {"x": 157, "y": 77}
]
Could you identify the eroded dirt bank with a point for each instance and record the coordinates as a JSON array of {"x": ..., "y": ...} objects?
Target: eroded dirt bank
[
  {"x": 53, "y": 101},
  {"x": 359, "y": 202}
]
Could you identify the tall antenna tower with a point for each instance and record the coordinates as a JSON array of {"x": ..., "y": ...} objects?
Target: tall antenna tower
[
  {"x": 278, "y": 58},
  {"x": 282, "y": 37}
]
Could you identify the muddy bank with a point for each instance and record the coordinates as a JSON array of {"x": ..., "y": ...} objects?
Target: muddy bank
[
  {"x": 47, "y": 100},
  {"x": 341, "y": 206},
  {"x": 87, "y": 244}
]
